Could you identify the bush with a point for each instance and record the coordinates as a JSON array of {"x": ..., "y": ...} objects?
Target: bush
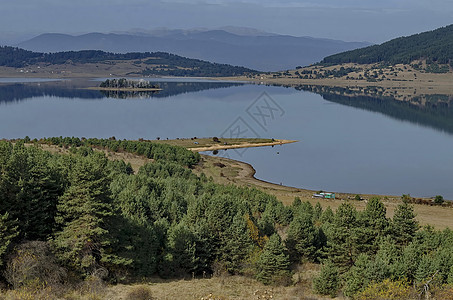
[
  {"x": 92, "y": 287},
  {"x": 140, "y": 293},
  {"x": 439, "y": 199},
  {"x": 386, "y": 289},
  {"x": 33, "y": 264}
]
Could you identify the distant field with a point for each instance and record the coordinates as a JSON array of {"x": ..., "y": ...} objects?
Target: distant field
[{"x": 401, "y": 81}]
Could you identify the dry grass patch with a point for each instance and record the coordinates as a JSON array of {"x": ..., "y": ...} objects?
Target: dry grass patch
[{"x": 218, "y": 288}]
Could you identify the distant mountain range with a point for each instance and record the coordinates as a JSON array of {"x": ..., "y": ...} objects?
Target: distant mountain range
[
  {"x": 229, "y": 45},
  {"x": 435, "y": 47}
]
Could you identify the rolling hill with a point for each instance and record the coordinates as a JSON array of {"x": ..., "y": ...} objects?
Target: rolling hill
[
  {"x": 245, "y": 47},
  {"x": 156, "y": 63}
]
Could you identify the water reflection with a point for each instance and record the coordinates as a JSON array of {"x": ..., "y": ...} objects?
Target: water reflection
[
  {"x": 10, "y": 93},
  {"x": 435, "y": 110}
]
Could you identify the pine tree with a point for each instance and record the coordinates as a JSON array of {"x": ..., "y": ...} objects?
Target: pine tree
[
  {"x": 404, "y": 225},
  {"x": 273, "y": 263},
  {"x": 30, "y": 187},
  {"x": 343, "y": 242},
  {"x": 328, "y": 281},
  {"x": 355, "y": 279},
  {"x": 374, "y": 216},
  {"x": 181, "y": 257},
  {"x": 302, "y": 238},
  {"x": 237, "y": 244},
  {"x": 373, "y": 225},
  {"x": 8, "y": 231},
  {"x": 317, "y": 212},
  {"x": 407, "y": 263},
  {"x": 82, "y": 214},
  {"x": 327, "y": 216}
]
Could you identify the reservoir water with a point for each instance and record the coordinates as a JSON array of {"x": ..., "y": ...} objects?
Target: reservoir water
[{"x": 365, "y": 145}]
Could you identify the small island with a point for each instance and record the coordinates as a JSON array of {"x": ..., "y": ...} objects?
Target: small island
[{"x": 124, "y": 84}]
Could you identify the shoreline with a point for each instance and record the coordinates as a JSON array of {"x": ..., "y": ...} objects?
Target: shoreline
[
  {"x": 229, "y": 171},
  {"x": 238, "y": 146}
]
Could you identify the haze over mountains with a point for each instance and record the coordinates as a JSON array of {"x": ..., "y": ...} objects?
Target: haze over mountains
[{"x": 230, "y": 45}]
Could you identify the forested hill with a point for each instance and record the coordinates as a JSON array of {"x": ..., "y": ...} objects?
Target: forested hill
[
  {"x": 433, "y": 46},
  {"x": 155, "y": 63}
]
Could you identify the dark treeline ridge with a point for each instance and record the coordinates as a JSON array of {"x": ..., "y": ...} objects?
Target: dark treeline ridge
[
  {"x": 165, "y": 63},
  {"x": 173, "y": 65},
  {"x": 18, "y": 58},
  {"x": 72, "y": 217},
  {"x": 433, "y": 46}
]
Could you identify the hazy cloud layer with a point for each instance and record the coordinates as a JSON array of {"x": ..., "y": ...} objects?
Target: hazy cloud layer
[{"x": 351, "y": 20}]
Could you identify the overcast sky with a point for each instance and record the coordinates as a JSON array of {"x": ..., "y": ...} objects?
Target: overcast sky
[{"x": 351, "y": 20}]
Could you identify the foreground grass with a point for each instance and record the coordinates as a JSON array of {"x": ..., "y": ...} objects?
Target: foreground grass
[{"x": 221, "y": 287}]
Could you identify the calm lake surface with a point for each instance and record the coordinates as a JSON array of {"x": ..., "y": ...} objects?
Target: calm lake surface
[{"x": 366, "y": 146}]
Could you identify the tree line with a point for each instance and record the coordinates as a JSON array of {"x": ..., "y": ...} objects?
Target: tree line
[{"x": 79, "y": 215}]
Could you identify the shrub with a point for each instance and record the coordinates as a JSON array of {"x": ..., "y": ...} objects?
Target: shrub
[
  {"x": 140, "y": 293},
  {"x": 33, "y": 264},
  {"x": 386, "y": 289},
  {"x": 439, "y": 199}
]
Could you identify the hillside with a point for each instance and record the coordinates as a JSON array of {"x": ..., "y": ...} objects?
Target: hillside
[
  {"x": 156, "y": 63},
  {"x": 436, "y": 47},
  {"x": 112, "y": 213},
  {"x": 255, "y": 50}
]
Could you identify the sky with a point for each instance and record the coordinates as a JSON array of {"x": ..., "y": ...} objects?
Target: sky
[{"x": 373, "y": 21}]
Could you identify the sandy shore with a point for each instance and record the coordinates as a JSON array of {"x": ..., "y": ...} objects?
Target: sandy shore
[{"x": 242, "y": 145}]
